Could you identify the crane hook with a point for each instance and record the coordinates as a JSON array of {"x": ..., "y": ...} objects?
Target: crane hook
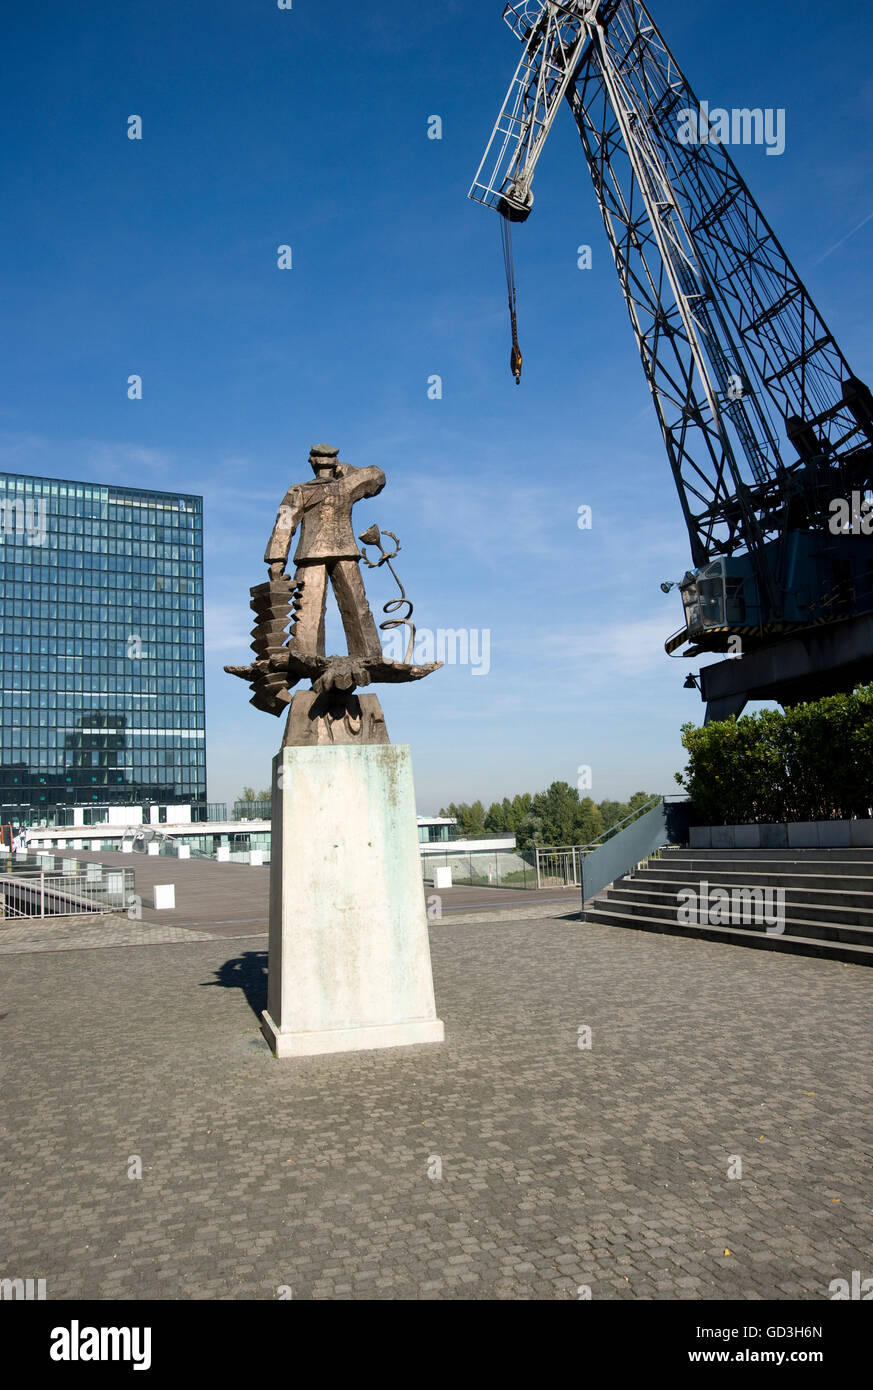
[{"x": 515, "y": 359}]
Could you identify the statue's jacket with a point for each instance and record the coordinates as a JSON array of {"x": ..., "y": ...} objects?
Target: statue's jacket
[{"x": 323, "y": 511}]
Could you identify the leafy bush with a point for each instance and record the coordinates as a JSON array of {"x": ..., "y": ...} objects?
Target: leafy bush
[{"x": 812, "y": 762}]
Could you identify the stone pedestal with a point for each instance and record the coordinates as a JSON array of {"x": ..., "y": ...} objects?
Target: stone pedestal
[{"x": 349, "y": 953}]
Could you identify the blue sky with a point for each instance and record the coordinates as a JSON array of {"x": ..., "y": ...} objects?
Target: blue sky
[{"x": 308, "y": 127}]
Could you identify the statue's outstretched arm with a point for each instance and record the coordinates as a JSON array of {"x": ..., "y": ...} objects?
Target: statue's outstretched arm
[{"x": 363, "y": 482}]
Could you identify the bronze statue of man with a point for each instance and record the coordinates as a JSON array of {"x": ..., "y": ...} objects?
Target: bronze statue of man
[
  {"x": 327, "y": 550},
  {"x": 288, "y": 638}
]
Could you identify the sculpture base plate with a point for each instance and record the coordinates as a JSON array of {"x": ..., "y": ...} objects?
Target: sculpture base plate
[
  {"x": 341, "y": 717},
  {"x": 350, "y": 1039}
]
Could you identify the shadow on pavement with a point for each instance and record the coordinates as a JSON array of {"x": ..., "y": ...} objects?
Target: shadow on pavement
[{"x": 247, "y": 972}]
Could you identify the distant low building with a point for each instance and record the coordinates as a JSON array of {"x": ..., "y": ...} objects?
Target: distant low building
[
  {"x": 439, "y": 833},
  {"x": 436, "y": 829}
]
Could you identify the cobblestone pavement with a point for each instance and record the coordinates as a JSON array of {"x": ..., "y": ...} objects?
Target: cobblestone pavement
[
  {"x": 93, "y": 931},
  {"x": 87, "y": 933},
  {"x": 561, "y": 1166}
]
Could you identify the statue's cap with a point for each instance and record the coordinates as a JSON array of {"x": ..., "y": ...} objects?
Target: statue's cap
[{"x": 323, "y": 451}]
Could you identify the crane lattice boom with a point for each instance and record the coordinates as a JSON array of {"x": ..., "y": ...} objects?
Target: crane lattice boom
[{"x": 763, "y": 421}]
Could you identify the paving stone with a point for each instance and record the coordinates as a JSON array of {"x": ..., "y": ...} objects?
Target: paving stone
[{"x": 561, "y": 1168}]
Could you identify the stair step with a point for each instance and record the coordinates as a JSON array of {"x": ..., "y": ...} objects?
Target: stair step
[
  {"x": 828, "y": 898},
  {"x": 795, "y": 925},
  {"x": 810, "y": 863},
  {"x": 847, "y": 952},
  {"x": 813, "y": 903},
  {"x": 850, "y": 855},
  {"x": 756, "y": 877}
]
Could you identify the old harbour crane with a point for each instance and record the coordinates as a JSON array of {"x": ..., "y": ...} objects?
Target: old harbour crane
[{"x": 769, "y": 434}]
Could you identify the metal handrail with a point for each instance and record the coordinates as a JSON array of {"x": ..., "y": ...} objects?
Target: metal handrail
[
  {"x": 637, "y": 842},
  {"x": 619, "y": 825},
  {"x": 596, "y": 843},
  {"x": 71, "y": 894},
  {"x": 577, "y": 853}
]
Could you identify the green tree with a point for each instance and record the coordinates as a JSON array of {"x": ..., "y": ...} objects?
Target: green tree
[
  {"x": 529, "y": 834},
  {"x": 558, "y": 808},
  {"x": 589, "y": 822},
  {"x": 495, "y": 819},
  {"x": 470, "y": 819},
  {"x": 475, "y": 820},
  {"x": 249, "y": 794},
  {"x": 611, "y": 812},
  {"x": 554, "y": 817}
]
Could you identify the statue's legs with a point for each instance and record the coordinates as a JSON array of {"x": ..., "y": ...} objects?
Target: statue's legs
[
  {"x": 308, "y": 632},
  {"x": 362, "y": 635},
  {"x": 339, "y": 715}
]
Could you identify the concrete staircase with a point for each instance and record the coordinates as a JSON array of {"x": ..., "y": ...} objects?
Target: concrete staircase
[{"x": 828, "y": 898}]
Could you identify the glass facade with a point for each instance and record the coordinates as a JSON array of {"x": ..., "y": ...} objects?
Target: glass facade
[
  {"x": 101, "y": 647},
  {"x": 434, "y": 832}
]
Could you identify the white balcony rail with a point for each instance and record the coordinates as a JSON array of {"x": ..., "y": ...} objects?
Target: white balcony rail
[{"x": 31, "y": 895}]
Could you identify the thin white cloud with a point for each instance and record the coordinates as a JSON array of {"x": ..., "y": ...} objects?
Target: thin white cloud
[
  {"x": 599, "y": 651},
  {"x": 100, "y": 459},
  {"x": 842, "y": 241},
  {"x": 133, "y": 460}
]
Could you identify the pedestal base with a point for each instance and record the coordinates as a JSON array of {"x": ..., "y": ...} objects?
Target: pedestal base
[
  {"x": 350, "y": 1039},
  {"x": 337, "y": 717},
  {"x": 349, "y": 952}
]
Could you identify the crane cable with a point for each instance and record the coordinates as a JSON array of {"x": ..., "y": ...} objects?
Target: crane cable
[{"x": 506, "y": 240}]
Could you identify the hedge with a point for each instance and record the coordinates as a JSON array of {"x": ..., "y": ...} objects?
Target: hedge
[{"x": 812, "y": 762}]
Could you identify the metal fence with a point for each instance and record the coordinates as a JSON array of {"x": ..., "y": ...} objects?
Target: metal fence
[
  {"x": 76, "y": 891},
  {"x": 226, "y": 847},
  {"x": 252, "y": 810},
  {"x": 559, "y": 868},
  {"x": 484, "y": 868}
]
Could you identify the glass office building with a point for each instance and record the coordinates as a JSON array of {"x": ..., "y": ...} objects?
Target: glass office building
[{"x": 101, "y": 648}]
